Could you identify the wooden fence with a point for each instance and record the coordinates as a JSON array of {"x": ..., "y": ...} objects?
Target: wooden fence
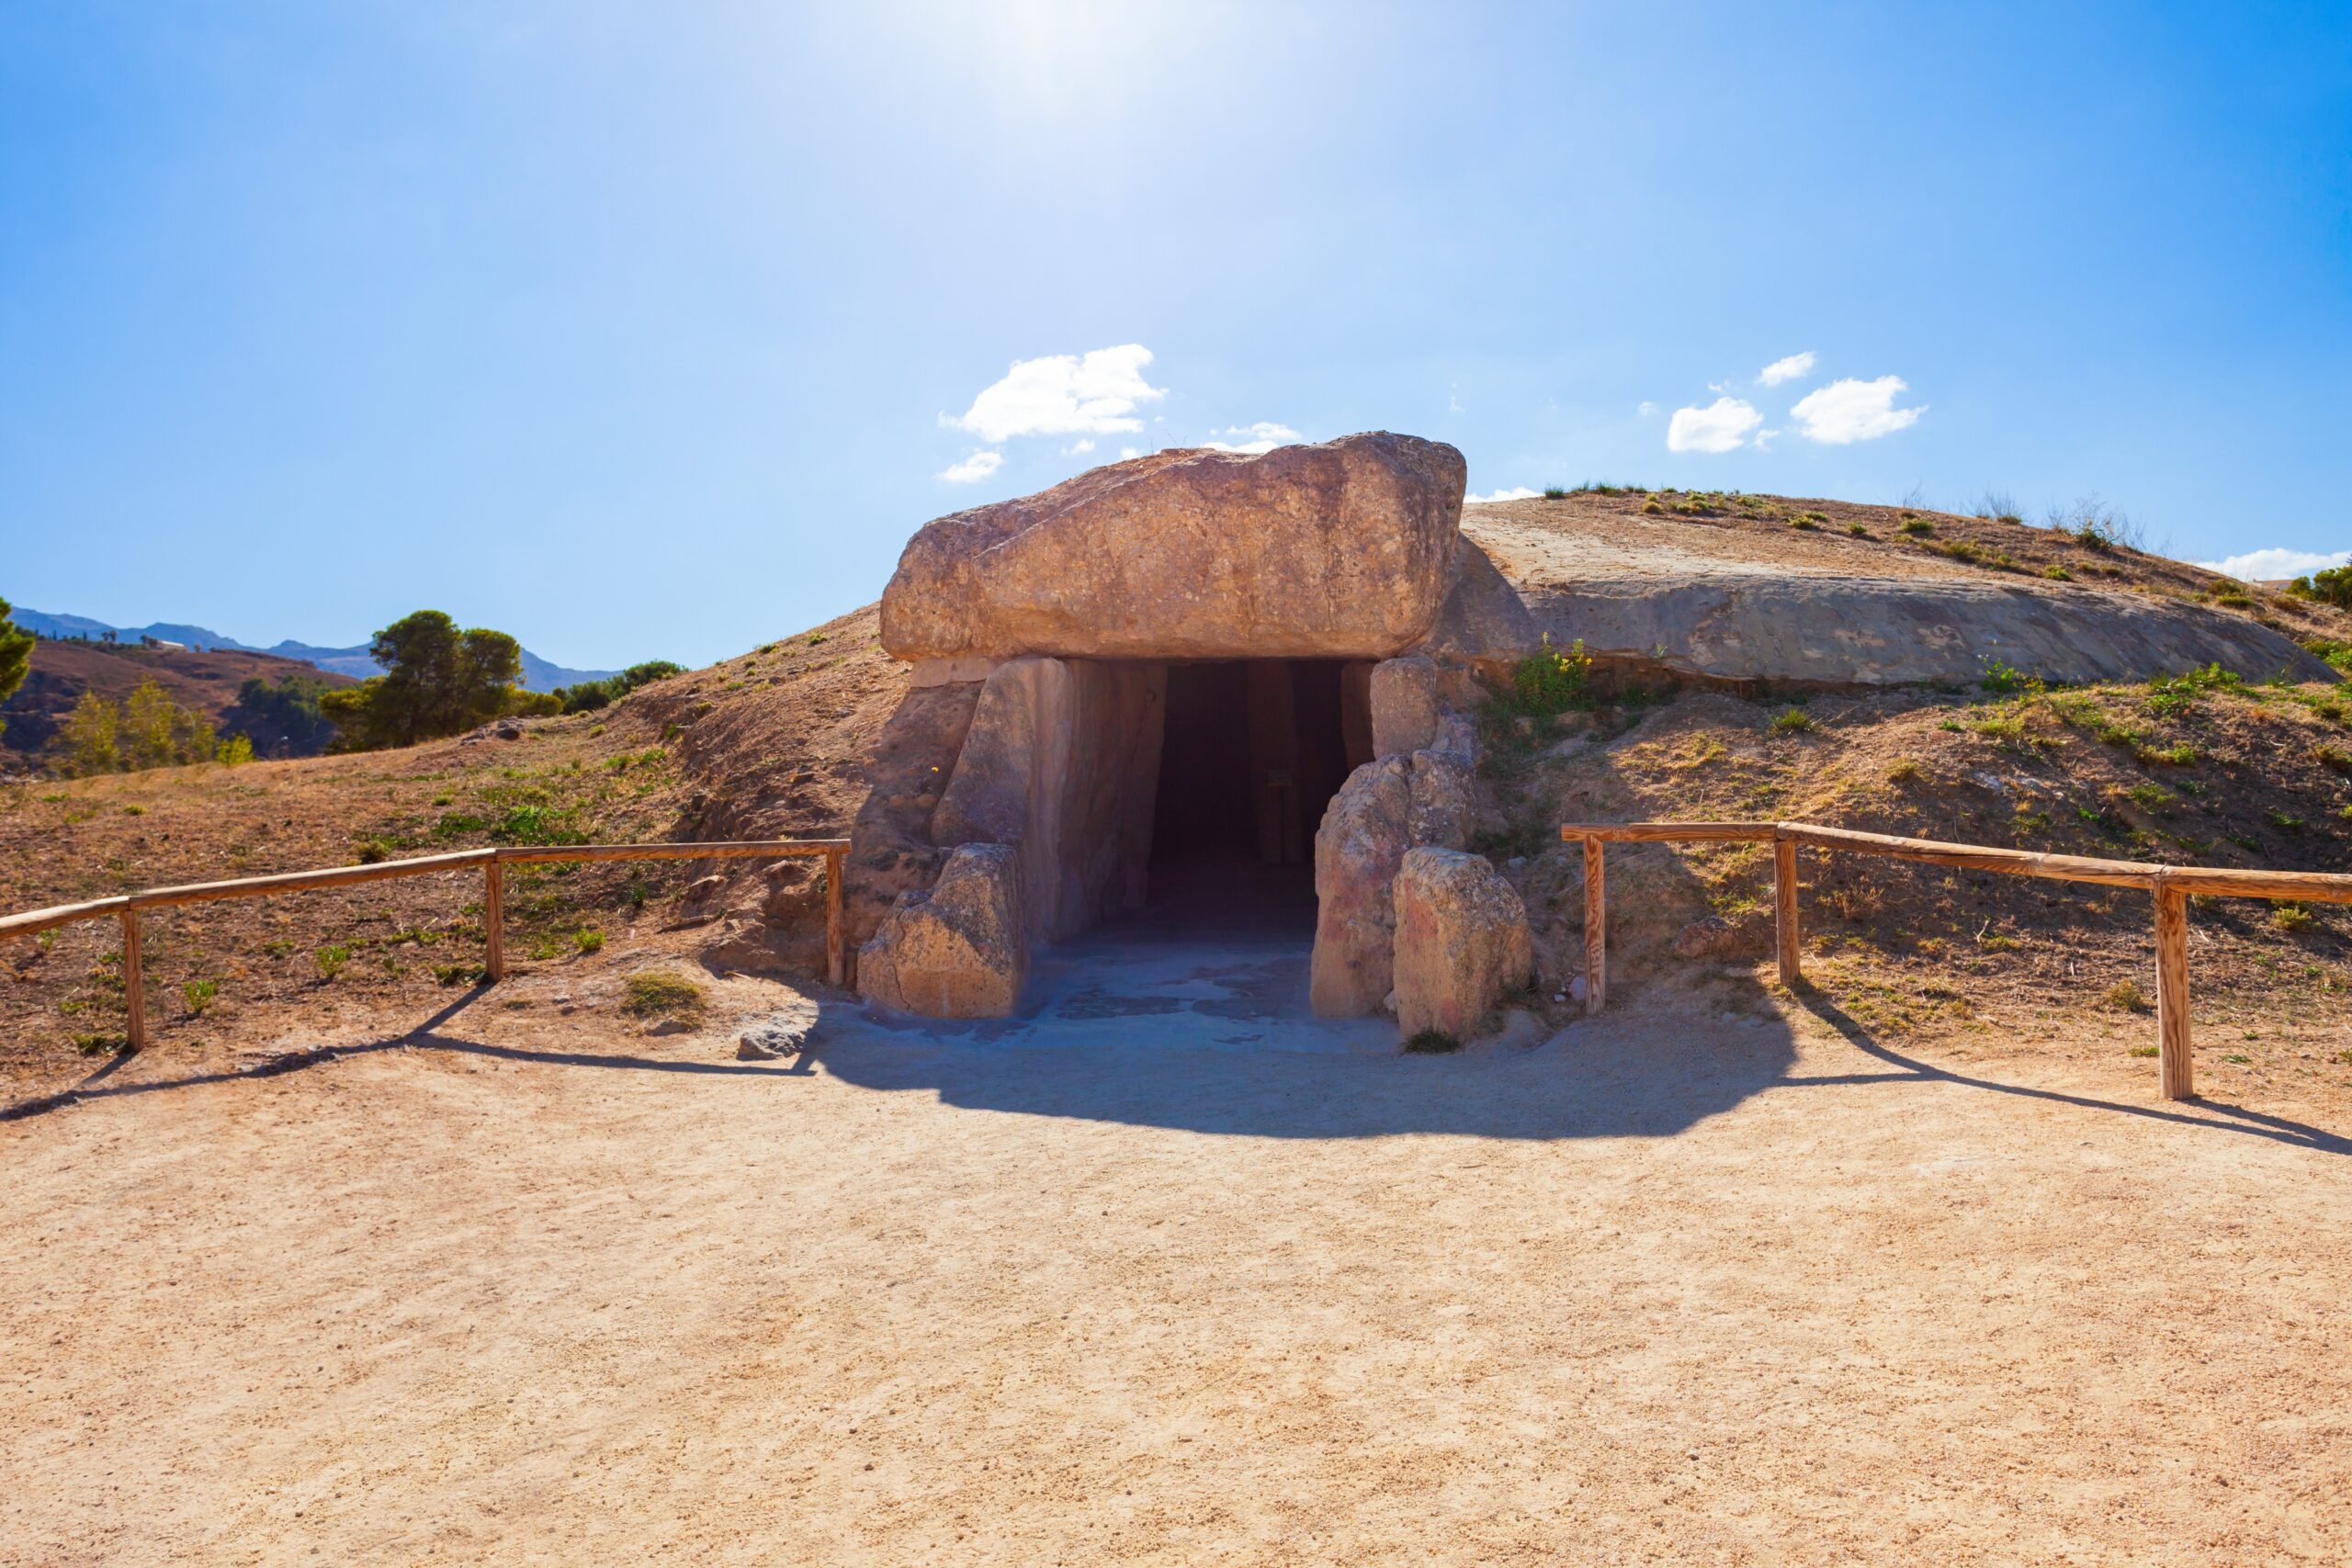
[
  {"x": 125, "y": 907},
  {"x": 2171, "y": 886}
]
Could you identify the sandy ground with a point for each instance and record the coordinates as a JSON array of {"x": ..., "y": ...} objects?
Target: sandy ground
[{"x": 1163, "y": 1278}]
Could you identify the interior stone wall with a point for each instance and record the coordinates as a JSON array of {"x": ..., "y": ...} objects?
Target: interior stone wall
[{"x": 1062, "y": 762}]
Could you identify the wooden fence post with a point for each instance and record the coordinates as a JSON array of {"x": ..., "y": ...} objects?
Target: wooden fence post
[
  {"x": 835, "y": 959},
  {"x": 134, "y": 981},
  {"x": 1784, "y": 910},
  {"x": 1596, "y": 926},
  {"x": 2171, "y": 993},
  {"x": 493, "y": 917}
]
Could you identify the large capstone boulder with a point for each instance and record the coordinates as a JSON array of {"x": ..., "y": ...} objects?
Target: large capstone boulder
[
  {"x": 959, "y": 951},
  {"x": 1338, "y": 550},
  {"x": 1462, "y": 942},
  {"x": 1386, "y": 808}
]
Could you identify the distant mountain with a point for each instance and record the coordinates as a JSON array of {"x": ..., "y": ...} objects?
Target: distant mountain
[
  {"x": 538, "y": 675},
  {"x": 211, "y": 683}
]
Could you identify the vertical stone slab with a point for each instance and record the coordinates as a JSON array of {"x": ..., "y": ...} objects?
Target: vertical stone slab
[
  {"x": 1118, "y": 725},
  {"x": 1462, "y": 942},
  {"x": 1404, "y": 706},
  {"x": 1273, "y": 763},
  {"x": 1062, "y": 763},
  {"x": 1357, "y": 849},
  {"x": 1355, "y": 712},
  {"x": 959, "y": 951}
]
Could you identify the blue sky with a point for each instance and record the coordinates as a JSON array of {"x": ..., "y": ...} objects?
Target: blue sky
[{"x": 650, "y": 330}]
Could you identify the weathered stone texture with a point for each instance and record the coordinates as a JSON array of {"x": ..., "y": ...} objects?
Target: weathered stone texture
[
  {"x": 959, "y": 951},
  {"x": 1386, "y": 807},
  {"x": 1682, "y": 601},
  {"x": 1462, "y": 942},
  {"x": 891, "y": 848},
  {"x": 1404, "y": 705},
  {"x": 1340, "y": 550},
  {"x": 1062, "y": 762}
]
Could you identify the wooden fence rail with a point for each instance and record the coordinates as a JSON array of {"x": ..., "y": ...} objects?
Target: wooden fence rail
[
  {"x": 125, "y": 907},
  {"x": 2170, "y": 884}
]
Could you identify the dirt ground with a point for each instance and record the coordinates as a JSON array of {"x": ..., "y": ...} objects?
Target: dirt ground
[{"x": 1721, "y": 1277}]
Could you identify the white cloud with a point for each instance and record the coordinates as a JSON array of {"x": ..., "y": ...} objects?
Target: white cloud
[
  {"x": 2256, "y": 566},
  {"x": 1851, "y": 411},
  {"x": 1788, "y": 369},
  {"x": 1263, "y": 436},
  {"x": 1718, "y": 427},
  {"x": 1064, "y": 394},
  {"x": 974, "y": 468},
  {"x": 1646, "y": 409},
  {"x": 1127, "y": 452},
  {"x": 1719, "y": 386},
  {"x": 1074, "y": 447},
  {"x": 1763, "y": 440},
  {"x": 1521, "y": 494}
]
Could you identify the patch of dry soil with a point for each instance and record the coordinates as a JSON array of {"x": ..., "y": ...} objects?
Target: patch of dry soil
[{"x": 1720, "y": 1287}]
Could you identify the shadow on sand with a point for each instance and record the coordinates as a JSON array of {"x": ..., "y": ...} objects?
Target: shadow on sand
[{"x": 1217, "y": 1040}]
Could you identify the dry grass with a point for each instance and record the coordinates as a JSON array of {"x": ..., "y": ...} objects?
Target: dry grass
[
  {"x": 1894, "y": 540},
  {"x": 2210, "y": 777},
  {"x": 769, "y": 744}
]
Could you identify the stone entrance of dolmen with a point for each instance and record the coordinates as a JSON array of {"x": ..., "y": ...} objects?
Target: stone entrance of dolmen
[
  {"x": 1251, "y": 753},
  {"x": 1190, "y": 688}
]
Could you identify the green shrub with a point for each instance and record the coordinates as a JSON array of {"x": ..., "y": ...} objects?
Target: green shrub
[
  {"x": 1917, "y": 527},
  {"x": 2125, "y": 995},
  {"x": 2333, "y": 586},
  {"x": 657, "y": 993},
  {"x": 2293, "y": 918},
  {"x": 1794, "y": 721},
  {"x": 2339, "y": 654},
  {"x": 2057, "y": 574},
  {"x": 2000, "y": 724},
  {"x": 2333, "y": 758},
  {"x": 1555, "y": 492},
  {"x": 537, "y": 824},
  {"x": 330, "y": 960},
  {"x": 2169, "y": 696},
  {"x": 590, "y": 695},
  {"x": 588, "y": 940},
  {"x": 1858, "y": 530},
  {"x": 1550, "y": 681},
  {"x": 199, "y": 995},
  {"x": 1433, "y": 1042},
  {"x": 2003, "y": 677}
]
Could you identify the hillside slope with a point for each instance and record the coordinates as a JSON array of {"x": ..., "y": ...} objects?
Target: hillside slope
[
  {"x": 775, "y": 743},
  {"x": 805, "y": 736},
  {"x": 1753, "y": 591},
  {"x": 539, "y": 674},
  {"x": 208, "y": 681}
]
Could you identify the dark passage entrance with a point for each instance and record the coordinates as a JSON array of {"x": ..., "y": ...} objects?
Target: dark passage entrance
[{"x": 1252, "y": 752}]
